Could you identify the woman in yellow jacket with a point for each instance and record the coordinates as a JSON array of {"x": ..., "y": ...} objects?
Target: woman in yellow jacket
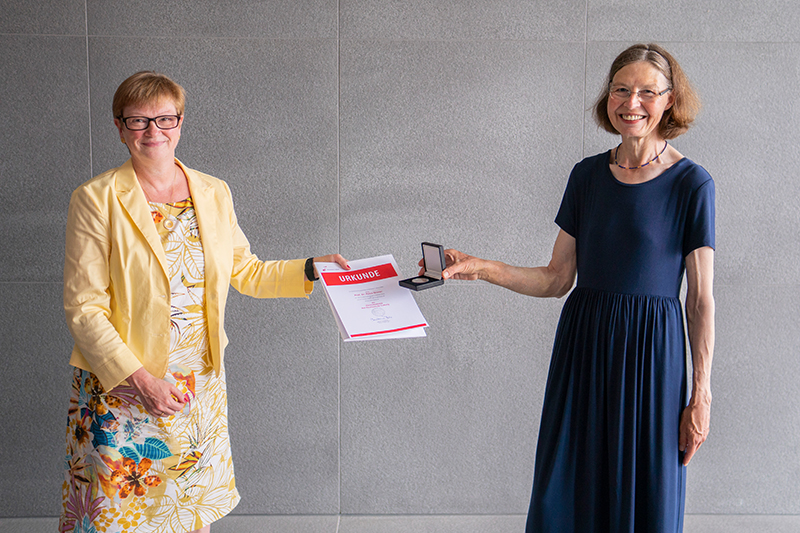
[{"x": 152, "y": 247}]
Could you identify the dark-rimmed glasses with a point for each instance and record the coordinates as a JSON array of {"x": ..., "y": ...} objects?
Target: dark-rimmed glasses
[
  {"x": 164, "y": 122},
  {"x": 644, "y": 95}
]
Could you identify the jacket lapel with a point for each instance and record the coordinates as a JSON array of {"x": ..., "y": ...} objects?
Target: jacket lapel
[
  {"x": 207, "y": 211},
  {"x": 132, "y": 198}
]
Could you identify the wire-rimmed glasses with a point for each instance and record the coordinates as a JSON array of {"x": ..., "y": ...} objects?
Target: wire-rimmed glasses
[{"x": 645, "y": 95}]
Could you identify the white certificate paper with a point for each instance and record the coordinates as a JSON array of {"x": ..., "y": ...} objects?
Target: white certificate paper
[{"x": 367, "y": 302}]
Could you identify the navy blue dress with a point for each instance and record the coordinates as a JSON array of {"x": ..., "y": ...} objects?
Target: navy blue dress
[{"x": 607, "y": 458}]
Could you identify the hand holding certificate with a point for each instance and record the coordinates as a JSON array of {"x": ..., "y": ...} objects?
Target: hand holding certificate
[{"x": 367, "y": 301}]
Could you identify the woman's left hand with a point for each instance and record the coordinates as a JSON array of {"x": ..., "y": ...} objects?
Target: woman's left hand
[
  {"x": 333, "y": 258},
  {"x": 695, "y": 425}
]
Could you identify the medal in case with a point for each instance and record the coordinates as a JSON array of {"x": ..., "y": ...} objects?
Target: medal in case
[{"x": 433, "y": 263}]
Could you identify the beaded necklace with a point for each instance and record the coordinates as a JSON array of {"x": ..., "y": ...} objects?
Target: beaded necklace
[{"x": 616, "y": 150}]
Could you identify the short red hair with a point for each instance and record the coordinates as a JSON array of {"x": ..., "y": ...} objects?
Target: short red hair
[{"x": 148, "y": 87}]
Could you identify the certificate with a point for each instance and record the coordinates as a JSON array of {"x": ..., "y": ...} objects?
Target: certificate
[{"x": 367, "y": 301}]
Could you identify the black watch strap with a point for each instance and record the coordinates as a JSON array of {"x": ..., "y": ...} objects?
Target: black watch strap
[{"x": 310, "y": 269}]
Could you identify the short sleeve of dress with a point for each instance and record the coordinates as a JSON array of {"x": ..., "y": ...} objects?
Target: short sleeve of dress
[
  {"x": 567, "y": 217},
  {"x": 700, "y": 214}
]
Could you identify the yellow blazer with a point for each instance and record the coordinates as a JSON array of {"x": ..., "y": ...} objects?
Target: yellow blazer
[{"x": 116, "y": 287}]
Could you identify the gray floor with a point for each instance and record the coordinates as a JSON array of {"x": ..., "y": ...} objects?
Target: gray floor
[{"x": 427, "y": 524}]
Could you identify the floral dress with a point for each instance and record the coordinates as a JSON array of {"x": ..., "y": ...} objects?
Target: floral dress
[{"x": 127, "y": 471}]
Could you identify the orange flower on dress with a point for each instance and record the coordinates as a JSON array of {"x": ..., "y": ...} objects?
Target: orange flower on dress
[
  {"x": 185, "y": 376},
  {"x": 113, "y": 402},
  {"x": 81, "y": 429},
  {"x": 132, "y": 477},
  {"x": 95, "y": 393}
]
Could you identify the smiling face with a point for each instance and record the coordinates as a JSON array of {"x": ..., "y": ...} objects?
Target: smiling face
[
  {"x": 152, "y": 143},
  {"x": 631, "y": 116}
]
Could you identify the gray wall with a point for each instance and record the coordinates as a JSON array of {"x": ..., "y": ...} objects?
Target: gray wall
[{"x": 367, "y": 126}]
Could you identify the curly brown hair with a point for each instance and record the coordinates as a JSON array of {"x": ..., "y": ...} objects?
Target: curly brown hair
[{"x": 677, "y": 119}]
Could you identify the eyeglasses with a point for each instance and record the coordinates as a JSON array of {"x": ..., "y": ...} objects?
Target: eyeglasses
[
  {"x": 644, "y": 95},
  {"x": 164, "y": 122}
]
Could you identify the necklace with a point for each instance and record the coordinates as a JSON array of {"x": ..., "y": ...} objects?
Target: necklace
[
  {"x": 616, "y": 151},
  {"x": 171, "y": 187},
  {"x": 168, "y": 219}
]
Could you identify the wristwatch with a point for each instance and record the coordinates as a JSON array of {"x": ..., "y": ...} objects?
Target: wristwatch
[{"x": 310, "y": 269}]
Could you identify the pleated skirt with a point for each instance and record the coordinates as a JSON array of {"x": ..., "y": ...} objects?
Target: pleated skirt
[{"x": 607, "y": 458}]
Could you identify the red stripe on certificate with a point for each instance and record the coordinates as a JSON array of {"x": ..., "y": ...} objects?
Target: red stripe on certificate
[
  {"x": 387, "y": 331},
  {"x": 360, "y": 276}
]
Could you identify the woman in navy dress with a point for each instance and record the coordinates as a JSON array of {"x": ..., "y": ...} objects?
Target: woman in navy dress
[{"x": 616, "y": 430}]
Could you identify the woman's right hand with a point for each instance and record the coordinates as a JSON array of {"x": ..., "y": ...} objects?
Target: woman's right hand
[
  {"x": 458, "y": 265},
  {"x": 159, "y": 398},
  {"x": 554, "y": 280}
]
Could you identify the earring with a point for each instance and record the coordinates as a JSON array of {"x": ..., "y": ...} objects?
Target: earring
[{"x": 123, "y": 140}]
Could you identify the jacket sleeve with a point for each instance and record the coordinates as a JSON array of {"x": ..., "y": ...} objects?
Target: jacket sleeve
[
  {"x": 87, "y": 294},
  {"x": 264, "y": 279}
]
